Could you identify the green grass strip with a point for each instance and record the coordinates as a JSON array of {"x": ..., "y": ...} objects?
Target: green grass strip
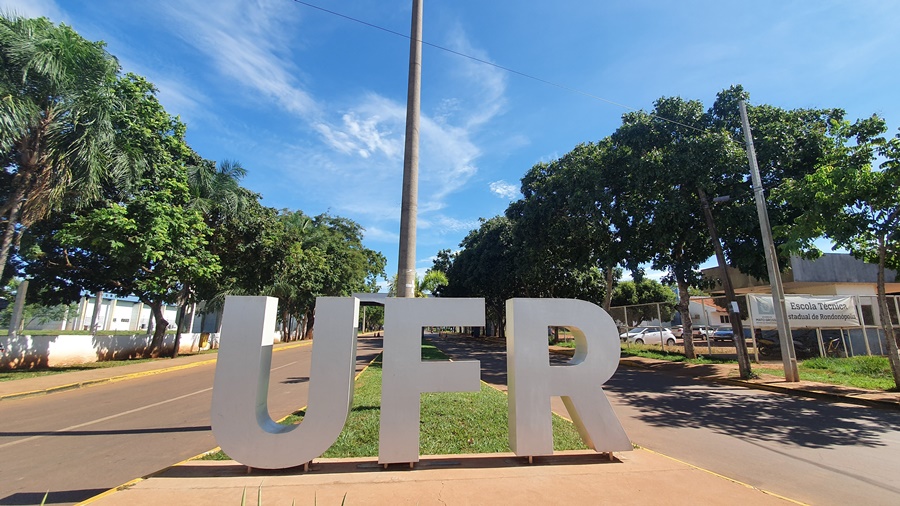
[
  {"x": 872, "y": 373},
  {"x": 450, "y": 423}
]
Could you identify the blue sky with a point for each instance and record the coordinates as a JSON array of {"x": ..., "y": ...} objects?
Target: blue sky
[{"x": 313, "y": 105}]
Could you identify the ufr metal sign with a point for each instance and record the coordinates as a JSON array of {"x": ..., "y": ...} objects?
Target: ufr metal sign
[{"x": 245, "y": 431}]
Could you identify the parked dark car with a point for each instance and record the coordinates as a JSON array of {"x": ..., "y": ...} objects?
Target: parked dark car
[{"x": 727, "y": 334}]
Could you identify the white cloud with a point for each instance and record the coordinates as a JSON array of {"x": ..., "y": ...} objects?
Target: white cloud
[
  {"x": 373, "y": 128},
  {"x": 367, "y": 137},
  {"x": 381, "y": 235},
  {"x": 246, "y": 42},
  {"x": 504, "y": 190},
  {"x": 490, "y": 82},
  {"x": 446, "y": 223}
]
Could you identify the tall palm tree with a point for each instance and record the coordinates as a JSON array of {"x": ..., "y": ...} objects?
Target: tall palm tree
[
  {"x": 56, "y": 107},
  {"x": 216, "y": 193}
]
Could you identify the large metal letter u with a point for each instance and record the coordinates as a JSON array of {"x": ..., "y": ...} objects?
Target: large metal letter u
[{"x": 240, "y": 413}]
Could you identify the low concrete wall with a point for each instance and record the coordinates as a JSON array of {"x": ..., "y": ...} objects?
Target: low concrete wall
[{"x": 36, "y": 352}]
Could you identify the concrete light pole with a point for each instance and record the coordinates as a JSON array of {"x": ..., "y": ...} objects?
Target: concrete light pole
[
  {"x": 788, "y": 355},
  {"x": 406, "y": 272}
]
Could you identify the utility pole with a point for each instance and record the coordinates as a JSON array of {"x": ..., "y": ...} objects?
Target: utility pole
[
  {"x": 735, "y": 315},
  {"x": 788, "y": 355},
  {"x": 406, "y": 272}
]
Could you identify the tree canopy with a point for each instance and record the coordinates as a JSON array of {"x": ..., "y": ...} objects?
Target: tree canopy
[
  {"x": 635, "y": 198},
  {"x": 57, "y": 134},
  {"x": 101, "y": 192},
  {"x": 856, "y": 205}
]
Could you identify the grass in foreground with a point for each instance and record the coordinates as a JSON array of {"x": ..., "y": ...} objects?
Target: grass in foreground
[
  {"x": 873, "y": 373},
  {"x": 451, "y": 423}
]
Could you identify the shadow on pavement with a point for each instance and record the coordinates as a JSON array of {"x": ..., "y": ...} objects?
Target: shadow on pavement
[
  {"x": 751, "y": 415},
  {"x": 154, "y": 430},
  {"x": 666, "y": 400},
  {"x": 209, "y": 469},
  {"x": 54, "y": 497}
]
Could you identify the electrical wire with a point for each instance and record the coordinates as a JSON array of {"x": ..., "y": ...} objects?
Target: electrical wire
[{"x": 500, "y": 67}]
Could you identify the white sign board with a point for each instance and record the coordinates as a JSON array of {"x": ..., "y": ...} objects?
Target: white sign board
[{"x": 806, "y": 311}]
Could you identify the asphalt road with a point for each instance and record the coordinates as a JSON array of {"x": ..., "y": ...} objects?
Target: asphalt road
[
  {"x": 79, "y": 443},
  {"x": 808, "y": 450}
]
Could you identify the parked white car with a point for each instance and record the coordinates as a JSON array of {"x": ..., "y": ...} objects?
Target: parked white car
[{"x": 648, "y": 335}]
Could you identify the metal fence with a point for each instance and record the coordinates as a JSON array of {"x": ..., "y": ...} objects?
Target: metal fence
[
  {"x": 867, "y": 339},
  {"x": 654, "y": 314}
]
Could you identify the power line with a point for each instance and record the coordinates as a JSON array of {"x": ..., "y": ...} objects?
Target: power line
[{"x": 500, "y": 67}]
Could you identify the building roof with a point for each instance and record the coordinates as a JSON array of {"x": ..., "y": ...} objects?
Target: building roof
[{"x": 806, "y": 276}]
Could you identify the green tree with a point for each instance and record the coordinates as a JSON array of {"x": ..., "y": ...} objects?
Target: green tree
[
  {"x": 227, "y": 209},
  {"x": 142, "y": 239},
  {"x": 57, "y": 135},
  {"x": 33, "y": 312},
  {"x": 855, "y": 205},
  {"x": 659, "y": 167},
  {"x": 323, "y": 256},
  {"x": 485, "y": 267},
  {"x": 433, "y": 282},
  {"x": 788, "y": 144},
  {"x": 570, "y": 233},
  {"x": 147, "y": 247}
]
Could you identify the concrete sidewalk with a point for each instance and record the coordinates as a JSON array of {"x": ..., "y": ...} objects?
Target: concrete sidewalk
[{"x": 637, "y": 477}]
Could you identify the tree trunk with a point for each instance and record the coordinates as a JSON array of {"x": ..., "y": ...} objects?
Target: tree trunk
[
  {"x": 310, "y": 321},
  {"x": 159, "y": 333},
  {"x": 285, "y": 326},
  {"x": 179, "y": 320},
  {"x": 885, "y": 317},
  {"x": 10, "y": 232},
  {"x": 183, "y": 300},
  {"x": 684, "y": 307},
  {"x": 740, "y": 344},
  {"x": 607, "y": 297},
  {"x": 98, "y": 302}
]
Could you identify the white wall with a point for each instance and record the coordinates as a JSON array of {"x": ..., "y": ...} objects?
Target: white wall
[{"x": 121, "y": 315}]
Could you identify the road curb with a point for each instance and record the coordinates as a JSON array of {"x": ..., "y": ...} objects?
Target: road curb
[{"x": 124, "y": 377}]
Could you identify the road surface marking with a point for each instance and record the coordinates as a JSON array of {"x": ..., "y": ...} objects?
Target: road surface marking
[
  {"x": 131, "y": 411},
  {"x": 129, "y": 376}
]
